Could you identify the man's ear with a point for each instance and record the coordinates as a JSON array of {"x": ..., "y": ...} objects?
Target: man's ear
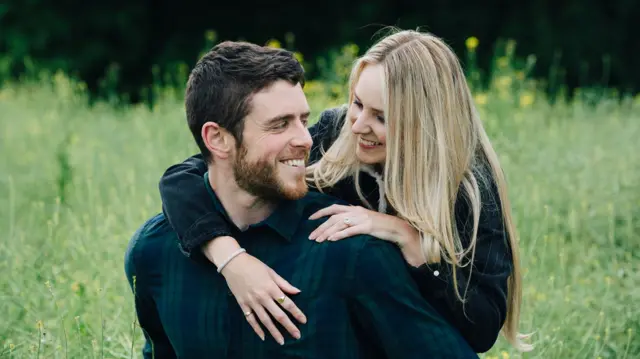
[{"x": 217, "y": 139}]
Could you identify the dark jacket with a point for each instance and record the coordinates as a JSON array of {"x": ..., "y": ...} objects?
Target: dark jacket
[{"x": 479, "y": 320}]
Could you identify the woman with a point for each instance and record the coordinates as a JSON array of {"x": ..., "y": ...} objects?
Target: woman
[{"x": 410, "y": 155}]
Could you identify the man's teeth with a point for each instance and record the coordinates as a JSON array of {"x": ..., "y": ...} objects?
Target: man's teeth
[
  {"x": 294, "y": 163},
  {"x": 369, "y": 143}
]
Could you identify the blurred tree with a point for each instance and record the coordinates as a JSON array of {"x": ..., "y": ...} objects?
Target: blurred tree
[{"x": 577, "y": 42}]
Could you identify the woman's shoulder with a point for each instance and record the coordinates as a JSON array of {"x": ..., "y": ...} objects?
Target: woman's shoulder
[
  {"x": 331, "y": 119},
  {"x": 333, "y": 114},
  {"x": 326, "y": 130}
]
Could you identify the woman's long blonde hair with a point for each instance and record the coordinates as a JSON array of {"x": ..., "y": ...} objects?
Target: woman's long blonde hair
[{"x": 435, "y": 145}]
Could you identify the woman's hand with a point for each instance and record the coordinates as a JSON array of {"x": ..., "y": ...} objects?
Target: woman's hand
[
  {"x": 347, "y": 221},
  {"x": 260, "y": 292}
]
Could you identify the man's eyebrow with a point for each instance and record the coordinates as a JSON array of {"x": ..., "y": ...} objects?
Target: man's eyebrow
[{"x": 285, "y": 117}]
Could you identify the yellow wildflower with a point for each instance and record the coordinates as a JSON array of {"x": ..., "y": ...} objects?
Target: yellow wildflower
[
  {"x": 472, "y": 43},
  {"x": 75, "y": 287},
  {"x": 502, "y": 62},
  {"x": 503, "y": 81},
  {"x": 505, "y": 355},
  {"x": 298, "y": 56},
  {"x": 210, "y": 35},
  {"x": 481, "y": 99},
  {"x": 526, "y": 100},
  {"x": 274, "y": 43}
]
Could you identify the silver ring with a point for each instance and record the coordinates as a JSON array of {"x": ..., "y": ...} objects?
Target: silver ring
[
  {"x": 246, "y": 314},
  {"x": 347, "y": 221}
]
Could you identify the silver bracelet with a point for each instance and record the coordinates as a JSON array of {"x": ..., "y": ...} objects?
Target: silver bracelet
[{"x": 235, "y": 254}]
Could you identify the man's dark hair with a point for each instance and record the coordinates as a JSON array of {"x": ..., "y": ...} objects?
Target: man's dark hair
[{"x": 222, "y": 83}]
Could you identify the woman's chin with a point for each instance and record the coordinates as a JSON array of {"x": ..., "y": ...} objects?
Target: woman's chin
[{"x": 369, "y": 158}]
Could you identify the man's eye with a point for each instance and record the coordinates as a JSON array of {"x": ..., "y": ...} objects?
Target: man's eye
[{"x": 280, "y": 125}]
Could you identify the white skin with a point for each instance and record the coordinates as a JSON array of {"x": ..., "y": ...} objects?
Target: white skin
[{"x": 255, "y": 284}]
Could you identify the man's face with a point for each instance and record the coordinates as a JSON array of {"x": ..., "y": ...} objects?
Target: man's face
[{"x": 271, "y": 161}]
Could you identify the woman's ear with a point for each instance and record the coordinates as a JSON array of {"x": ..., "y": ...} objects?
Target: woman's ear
[{"x": 218, "y": 141}]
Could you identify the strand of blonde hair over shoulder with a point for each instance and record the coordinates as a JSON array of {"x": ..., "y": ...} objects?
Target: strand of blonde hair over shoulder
[{"x": 435, "y": 145}]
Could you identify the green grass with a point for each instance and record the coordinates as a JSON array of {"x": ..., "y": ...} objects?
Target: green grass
[{"x": 76, "y": 182}]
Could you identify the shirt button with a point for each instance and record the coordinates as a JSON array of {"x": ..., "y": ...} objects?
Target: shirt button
[{"x": 436, "y": 273}]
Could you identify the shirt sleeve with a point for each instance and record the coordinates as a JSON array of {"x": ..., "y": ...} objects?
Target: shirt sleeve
[
  {"x": 157, "y": 343},
  {"x": 391, "y": 311},
  {"x": 326, "y": 131},
  {"x": 484, "y": 287},
  {"x": 184, "y": 194},
  {"x": 186, "y": 205}
]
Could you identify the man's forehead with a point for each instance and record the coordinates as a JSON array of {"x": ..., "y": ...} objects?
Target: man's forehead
[{"x": 278, "y": 101}]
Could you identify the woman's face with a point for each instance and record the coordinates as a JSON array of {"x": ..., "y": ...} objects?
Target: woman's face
[{"x": 367, "y": 118}]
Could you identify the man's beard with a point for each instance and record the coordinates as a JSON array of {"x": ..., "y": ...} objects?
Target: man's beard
[{"x": 261, "y": 179}]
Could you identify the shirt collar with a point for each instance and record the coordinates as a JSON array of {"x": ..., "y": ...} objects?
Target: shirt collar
[{"x": 284, "y": 219}]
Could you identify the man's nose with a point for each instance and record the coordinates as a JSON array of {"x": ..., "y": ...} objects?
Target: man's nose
[{"x": 303, "y": 137}]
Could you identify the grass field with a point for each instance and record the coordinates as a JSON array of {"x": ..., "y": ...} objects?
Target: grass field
[{"x": 76, "y": 182}]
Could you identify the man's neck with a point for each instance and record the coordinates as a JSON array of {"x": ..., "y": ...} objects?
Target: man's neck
[{"x": 243, "y": 208}]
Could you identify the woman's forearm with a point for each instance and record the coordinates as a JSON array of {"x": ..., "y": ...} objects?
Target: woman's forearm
[{"x": 219, "y": 249}]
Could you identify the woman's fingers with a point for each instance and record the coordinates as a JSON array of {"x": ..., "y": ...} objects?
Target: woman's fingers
[
  {"x": 347, "y": 232},
  {"x": 318, "y": 232},
  {"x": 288, "y": 304},
  {"x": 337, "y": 226},
  {"x": 251, "y": 318},
  {"x": 280, "y": 316},
  {"x": 283, "y": 284},
  {"x": 328, "y": 211},
  {"x": 264, "y": 317}
]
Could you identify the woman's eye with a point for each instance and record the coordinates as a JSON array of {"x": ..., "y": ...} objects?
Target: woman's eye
[
  {"x": 357, "y": 103},
  {"x": 281, "y": 125},
  {"x": 380, "y": 118}
]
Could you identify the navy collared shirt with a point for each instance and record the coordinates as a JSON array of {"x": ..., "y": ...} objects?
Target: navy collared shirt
[{"x": 358, "y": 295}]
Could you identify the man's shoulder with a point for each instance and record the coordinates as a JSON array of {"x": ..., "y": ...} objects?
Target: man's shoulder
[
  {"x": 314, "y": 201},
  {"x": 149, "y": 242}
]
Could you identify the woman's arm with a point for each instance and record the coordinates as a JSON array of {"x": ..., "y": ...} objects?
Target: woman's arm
[
  {"x": 325, "y": 131},
  {"x": 203, "y": 230},
  {"x": 184, "y": 203},
  {"x": 182, "y": 190}
]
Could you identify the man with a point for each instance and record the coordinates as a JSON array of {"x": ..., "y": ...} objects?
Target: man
[{"x": 248, "y": 114}]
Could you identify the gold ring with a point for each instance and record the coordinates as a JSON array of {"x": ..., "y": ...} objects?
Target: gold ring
[
  {"x": 281, "y": 299},
  {"x": 246, "y": 314}
]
